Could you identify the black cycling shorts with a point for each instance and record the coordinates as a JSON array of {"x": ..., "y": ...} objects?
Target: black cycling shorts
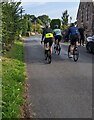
[
  {"x": 48, "y": 40},
  {"x": 58, "y": 37},
  {"x": 74, "y": 39}
]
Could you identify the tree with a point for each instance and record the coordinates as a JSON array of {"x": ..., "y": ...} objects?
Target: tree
[
  {"x": 32, "y": 17},
  {"x": 65, "y": 17},
  {"x": 24, "y": 25},
  {"x": 38, "y": 28},
  {"x": 39, "y": 21},
  {"x": 45, "y": 19},
  {"x": 11, "y": 21}
]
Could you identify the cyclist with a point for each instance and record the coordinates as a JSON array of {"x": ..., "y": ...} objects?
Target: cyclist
[
  {"x": 57, "y": 35},
  {"x": 47, "y": 35},
  {"x": 74, "y": 35}
]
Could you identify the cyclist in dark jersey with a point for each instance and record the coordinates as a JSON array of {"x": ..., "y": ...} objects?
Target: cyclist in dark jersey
[
  {"x": 47, "y": 35},
  {"x": 73, "y": 33}
]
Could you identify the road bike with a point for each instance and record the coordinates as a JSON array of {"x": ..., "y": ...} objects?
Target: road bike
[
  {"x": 74, "y": 52},
  {"x": 57, "y": 48},
  {"x": 48, "y": 57}
]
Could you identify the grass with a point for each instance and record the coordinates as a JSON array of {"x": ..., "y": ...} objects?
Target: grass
[{"x": 13, "y": 76}]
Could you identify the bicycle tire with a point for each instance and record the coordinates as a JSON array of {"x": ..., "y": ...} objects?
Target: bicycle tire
[{"x": 75, "y": 54}]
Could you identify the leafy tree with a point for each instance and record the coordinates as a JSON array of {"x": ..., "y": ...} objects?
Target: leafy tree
[
  {"x": 24, "y": 25},
  {"x": 30, "y": 17},
  {"x": 0, "y": 24},
  {"x": 11, "y": 19},
  {"x": 64, "y": 27},
  {"x": 45, "y": 19},
  {"x": 39, "y": 21},
  {"x": 38, "y": 28},
  {"x": 27, "y": 23},
  {"x": 65, "y": 17}
]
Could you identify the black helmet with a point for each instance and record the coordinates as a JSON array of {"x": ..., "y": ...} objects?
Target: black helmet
[{"x": 72, "y": 24}]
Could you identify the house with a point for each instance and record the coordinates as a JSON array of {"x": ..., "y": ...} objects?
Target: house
[{"x": 85, "y": 16}]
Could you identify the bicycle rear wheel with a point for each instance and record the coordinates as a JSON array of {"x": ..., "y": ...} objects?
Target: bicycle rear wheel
[{"x": 75, "y": 54}]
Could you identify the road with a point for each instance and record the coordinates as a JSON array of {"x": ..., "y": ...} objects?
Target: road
[{"x": 62, "y": 89}]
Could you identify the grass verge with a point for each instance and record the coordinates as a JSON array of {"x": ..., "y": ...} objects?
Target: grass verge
[{"x": 13, "y": 77}]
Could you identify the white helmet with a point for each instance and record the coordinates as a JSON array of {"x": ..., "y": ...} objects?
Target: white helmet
[
  {"x": 47, "y": 25},
  {"x": 56, "y": 26}
]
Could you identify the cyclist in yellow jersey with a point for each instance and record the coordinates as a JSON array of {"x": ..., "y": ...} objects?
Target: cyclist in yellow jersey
[{"x": 47, "y": 35}]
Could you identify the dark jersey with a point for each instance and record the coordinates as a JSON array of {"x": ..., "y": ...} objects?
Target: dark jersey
[
  {"x": 45, "y": 31},
  {"x": 73, "y": 31}
]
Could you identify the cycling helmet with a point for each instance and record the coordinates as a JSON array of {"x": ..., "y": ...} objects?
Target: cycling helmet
[
  {"x": 56, "y": 26},
  {"x": 72, "y": 24},
  {"x": 47, "y": 25}
]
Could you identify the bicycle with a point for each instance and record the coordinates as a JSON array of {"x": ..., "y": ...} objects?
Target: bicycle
[
  {"x": 48, "y": 57},
  {"x": 74, "y": 52},
  {"x": 57, "y": 48}
]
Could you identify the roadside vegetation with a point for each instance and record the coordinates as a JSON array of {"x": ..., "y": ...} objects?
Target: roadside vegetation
[{"x": 13, "y": 69}]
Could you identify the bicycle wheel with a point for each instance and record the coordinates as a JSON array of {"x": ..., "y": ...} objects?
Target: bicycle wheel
[
  {"x": 69, "y": 51},
  {"x": 75, "y": 54}
]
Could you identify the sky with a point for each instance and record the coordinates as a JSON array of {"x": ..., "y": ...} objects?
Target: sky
[{"x": 52, "y": 9}]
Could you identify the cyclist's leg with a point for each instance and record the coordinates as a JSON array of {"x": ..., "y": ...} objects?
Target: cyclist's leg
[
  {"x": 59, "y": 39},
  {"x": 50, "y": 44},
  {"x": 55, "y": 44},
  {"x": 76, "y": 40},
  {"x": 55, "y": 41},
  {"x": 72, "y": 44},
  {"x": 76, "y": 43},
  {"x": 45, "y": 43},
  {"x": 83, "y": 40}
]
